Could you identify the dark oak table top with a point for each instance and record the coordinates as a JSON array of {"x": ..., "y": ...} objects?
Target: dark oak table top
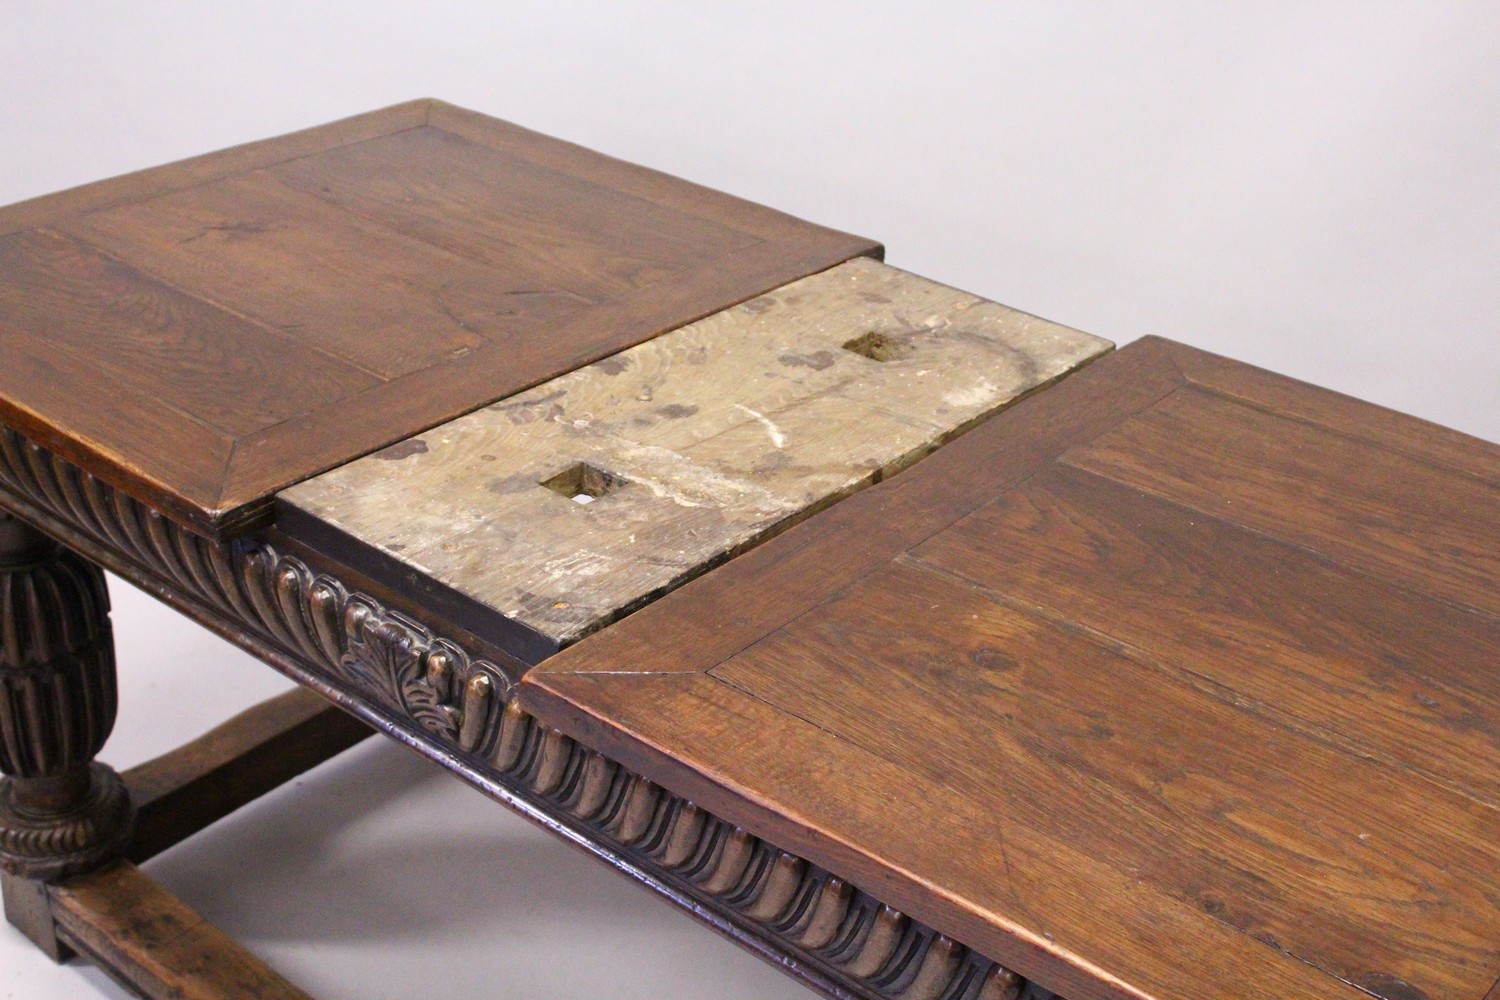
[
  {"x": 203, "y": 334},
  {"x": 1176, "y": 680}
]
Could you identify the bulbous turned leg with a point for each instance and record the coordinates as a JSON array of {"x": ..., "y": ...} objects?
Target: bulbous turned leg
[{"x": 61, "y": 814}]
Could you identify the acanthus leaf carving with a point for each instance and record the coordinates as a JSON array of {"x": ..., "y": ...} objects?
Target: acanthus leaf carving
[
  {"x": 389, "y": 659},
  {"x": 393, "y": 659}
]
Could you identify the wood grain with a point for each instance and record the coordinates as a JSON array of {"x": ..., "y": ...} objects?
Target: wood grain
[
  {"x": 350, "y": 293},
  {"x": 1335, "y": 411},
  {"x": 689, "y": 448},
  {"x": 52, "y": 392},
  {"x": 210, "y": 366},
  {"x": 1342, "y": 863},
  {"x": 316, "y": 297},
  {"x": 869, "y": 821},
  {"x": 140, "y": 185},
  {"x": 1364, "y": 505},
  {"x": 533, "y": 221},
  {"x": 1385, "y": 672},
  {"x": 1064, "y": 703},
  {"x": 512, "y": 140},
  {"x": 154, "y": 944}
]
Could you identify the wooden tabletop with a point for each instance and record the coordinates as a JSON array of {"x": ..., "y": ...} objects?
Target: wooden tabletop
[
  {"x": 203, "y": 334},
  {"x": 1176, "y": 680}
]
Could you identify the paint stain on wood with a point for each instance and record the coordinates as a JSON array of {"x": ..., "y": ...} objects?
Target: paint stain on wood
[{"x": 402, "y": 449}]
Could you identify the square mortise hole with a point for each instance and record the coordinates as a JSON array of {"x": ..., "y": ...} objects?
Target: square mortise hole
[
  {"x": 879, "y": 347},
  {"x": 582, "y": 483}
]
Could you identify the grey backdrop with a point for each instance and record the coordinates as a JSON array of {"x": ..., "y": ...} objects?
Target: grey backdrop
[{"x": 1313, "y": 187}]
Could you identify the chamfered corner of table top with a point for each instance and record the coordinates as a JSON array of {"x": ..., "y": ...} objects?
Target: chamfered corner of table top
[
  {"x": 1175, "y": 680},
  {"x": 202, "y": 334}
]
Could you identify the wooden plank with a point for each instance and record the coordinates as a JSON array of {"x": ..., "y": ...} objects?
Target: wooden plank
[
  {"x": 154, "y": 181},
  {"x": 1432, "y": 443},
  {"x": 628, "y": 178},
  {"x": 155, "y": 945},
  {"x": 1351, "y": 659},
  {"x": 345, "y": 286},
  {"x": 511, "y": 213},
  {"x": 1365, "y": 506},
  {"x": 50, "y": 393},
  {"x": 568, "y": 505},
  {"x": 213, "y": 367},
  {"x": 183, "y": 791}
]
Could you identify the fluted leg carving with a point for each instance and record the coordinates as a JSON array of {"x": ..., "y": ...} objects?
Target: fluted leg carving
[{"x": 61, "y": 814}]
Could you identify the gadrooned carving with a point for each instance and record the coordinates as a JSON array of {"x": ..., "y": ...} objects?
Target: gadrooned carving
[
  {"x": 432, "y": 686},
  {"x": 396, "y": 662},
  {"x": 811, "y": 911},
  {"x": 51, "y": 845}
]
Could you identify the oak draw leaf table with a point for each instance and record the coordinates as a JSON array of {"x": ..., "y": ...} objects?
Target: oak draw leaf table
[{"x": 927, "y": 648}]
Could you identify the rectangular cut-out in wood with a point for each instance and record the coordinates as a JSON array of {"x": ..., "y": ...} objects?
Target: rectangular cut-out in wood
[
  {"x": 565, "y": 506},
  {"x": 202, "y": 334},
  {"x": 1177, "y": 680}
]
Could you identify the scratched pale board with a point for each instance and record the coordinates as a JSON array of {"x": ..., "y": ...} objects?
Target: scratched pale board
[{"x": 708, "y": 439}]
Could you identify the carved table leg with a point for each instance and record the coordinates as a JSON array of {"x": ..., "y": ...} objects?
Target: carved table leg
[{"x": 61, "y": 814}]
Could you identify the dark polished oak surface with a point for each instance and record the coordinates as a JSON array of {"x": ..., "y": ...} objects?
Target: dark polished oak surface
[
  {"x": 203, "y": 334},
  {"x": 1175, "y": 681}
]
